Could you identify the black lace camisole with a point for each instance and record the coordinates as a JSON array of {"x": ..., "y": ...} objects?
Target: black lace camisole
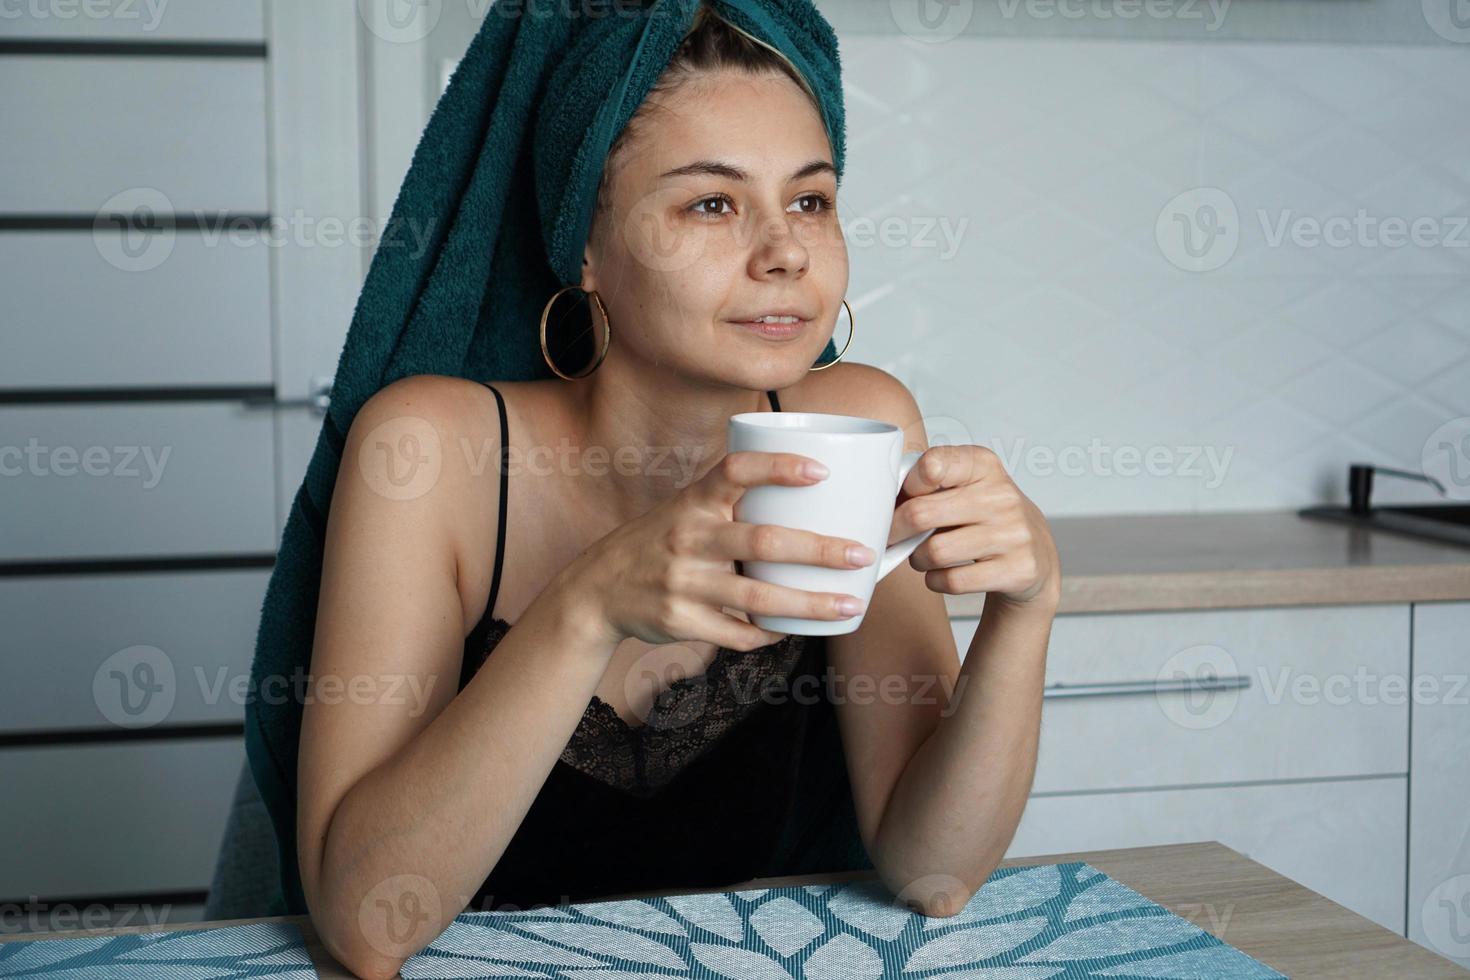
[{"x": 735, "y": 773}]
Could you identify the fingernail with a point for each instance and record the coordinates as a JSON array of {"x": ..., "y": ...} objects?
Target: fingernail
[
  {"x": 814, "y": 469},
  {"x": 860, "y": 555},
  {"x": 850, "y": 606}
]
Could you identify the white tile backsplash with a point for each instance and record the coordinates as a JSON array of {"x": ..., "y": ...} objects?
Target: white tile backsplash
[{"x": 1052, "y": 324}]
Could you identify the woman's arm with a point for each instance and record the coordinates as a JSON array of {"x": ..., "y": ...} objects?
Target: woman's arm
[
  {"x": 409, "y": 794},
  {"x": 953, "y": 808},
  {"x": 956, "y": 805},
  {"x": 941, "y": 756}
]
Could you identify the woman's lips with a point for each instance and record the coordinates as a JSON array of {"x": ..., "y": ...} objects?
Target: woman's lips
[{"x": 774, "y": 331}]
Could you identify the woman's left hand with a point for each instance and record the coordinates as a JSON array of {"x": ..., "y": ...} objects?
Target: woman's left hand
[{"x": 981, "y": 518}]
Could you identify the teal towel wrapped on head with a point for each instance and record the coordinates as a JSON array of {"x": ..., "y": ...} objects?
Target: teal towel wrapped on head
[{"x": 491, "y": 220}]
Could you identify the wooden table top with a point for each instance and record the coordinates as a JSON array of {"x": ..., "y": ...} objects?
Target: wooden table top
[
  {"x": 1144, "y": 562},
  {"x": 1272, "y": 918}
]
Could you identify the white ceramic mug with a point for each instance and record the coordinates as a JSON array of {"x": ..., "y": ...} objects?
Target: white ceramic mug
[{"x": 856, "y": 500}]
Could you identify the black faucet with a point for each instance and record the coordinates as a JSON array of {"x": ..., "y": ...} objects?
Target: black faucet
[{"x": 1360, "y": 484}]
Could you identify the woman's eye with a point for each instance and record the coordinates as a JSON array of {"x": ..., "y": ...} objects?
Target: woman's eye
[
  {"x": 699, "y": 207},
  {"x": 822, "y": 201},
  {"x": 814, "y": 203}
]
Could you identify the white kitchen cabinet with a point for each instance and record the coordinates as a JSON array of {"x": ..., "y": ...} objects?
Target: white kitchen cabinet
[
  {"x": 196, "y": 313},
  {"x": 1311, "y": 694},
  {"x": 1342, "y": 838},
  {"x": 141, "y": 479},
  {"x": 198, "y": 20},
  {"x": 1281, "y": 732},
  {"x": 1439, "y": 785},
  {"x": 72, "y": 643},
  {"x": 175, "y": 134},
  {"x": 1300, "y": 714},
  {"x": 115, "y": 819}
]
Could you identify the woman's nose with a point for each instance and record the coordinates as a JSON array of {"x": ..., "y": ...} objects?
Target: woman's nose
[{"x": 779, "y": 248}]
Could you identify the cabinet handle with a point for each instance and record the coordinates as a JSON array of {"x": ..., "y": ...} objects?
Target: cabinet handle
[
  {"x": 1179, "y": 685},
  {"x": 318, "y": 400}
]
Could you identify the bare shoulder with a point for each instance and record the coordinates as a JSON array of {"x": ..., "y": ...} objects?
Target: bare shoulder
[
  {"x": 854, "y": 388},
  {"x": 455, "y": 421},
  {"x": 431, "y": 443},
  {"x": 439, "y": 399}
]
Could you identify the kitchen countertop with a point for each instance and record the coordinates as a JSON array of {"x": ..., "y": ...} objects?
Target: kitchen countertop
[{"x": 1140, "y": 562}]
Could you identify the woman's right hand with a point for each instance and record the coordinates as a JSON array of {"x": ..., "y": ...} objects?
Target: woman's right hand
[{"x": 669, "y": 574}]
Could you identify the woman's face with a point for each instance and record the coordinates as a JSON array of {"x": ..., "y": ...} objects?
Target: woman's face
[{"x": 746, "y": 225}]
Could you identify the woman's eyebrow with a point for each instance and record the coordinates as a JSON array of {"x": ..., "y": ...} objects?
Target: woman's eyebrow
[{"x": 716, "y": 168}]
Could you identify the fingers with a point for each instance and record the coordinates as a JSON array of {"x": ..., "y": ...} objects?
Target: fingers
[
  {"x": 943, "y": 467},
  {"x": 725, "y": 630},
  {"x": 1006, "y": 573},
  {"x": 739, "y": 541},
  {"x": 736, "y": 472},
  {"x": 955, "y": 507},
  {"x": 961, "y": 545},
  {"x": 757, "y": 598}
]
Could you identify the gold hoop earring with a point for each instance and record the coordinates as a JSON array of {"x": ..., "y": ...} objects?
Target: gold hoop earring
[
  {"x": 851, "y": 328},
  {"x": 596, "y": 301}
]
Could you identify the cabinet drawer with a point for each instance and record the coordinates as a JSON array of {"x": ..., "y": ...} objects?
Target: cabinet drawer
[
  {"x": 175, "y": 478},
  {"x": 1439, "y": 795},
  {"x": 114, "y": 819},
  {"x": 1129, "y": 704},
  {"x": 192, "y": 313},
  {"x": 1344, "y": 838},
  {"x": 71, "y": 645},
  {"x": 77, "y": 130},
  {"x": 138, "y": 20}
]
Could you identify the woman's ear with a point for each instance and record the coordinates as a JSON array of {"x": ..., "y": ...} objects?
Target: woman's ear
[{"x": 589, "y": 275}]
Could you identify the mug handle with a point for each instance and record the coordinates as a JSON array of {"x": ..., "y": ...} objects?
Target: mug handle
[{"x": 900, "y": 550}]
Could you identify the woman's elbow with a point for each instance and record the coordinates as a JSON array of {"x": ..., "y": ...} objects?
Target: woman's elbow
[
  {"x": 350, "y": 948},
  {"x": 935, "y": 895},
  {"x": 363, "y": 933}
]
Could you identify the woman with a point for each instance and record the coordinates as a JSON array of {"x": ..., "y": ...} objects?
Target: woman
[{"x": 717, "y": 206}]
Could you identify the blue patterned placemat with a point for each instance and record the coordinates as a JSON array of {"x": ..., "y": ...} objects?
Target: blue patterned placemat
[
  {"x": 262, "y": 949},
  {"x": 1049, "y": 920}
]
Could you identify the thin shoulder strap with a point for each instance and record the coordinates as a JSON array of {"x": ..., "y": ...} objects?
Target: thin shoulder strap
[
  {"x": 775, "y": 402},
  {"x": 504, "y": 491}
]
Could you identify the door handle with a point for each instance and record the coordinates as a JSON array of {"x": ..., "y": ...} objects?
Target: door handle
[
  {"x": 317, "y": 399},
  {"x": 1181, "y": 685}
]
